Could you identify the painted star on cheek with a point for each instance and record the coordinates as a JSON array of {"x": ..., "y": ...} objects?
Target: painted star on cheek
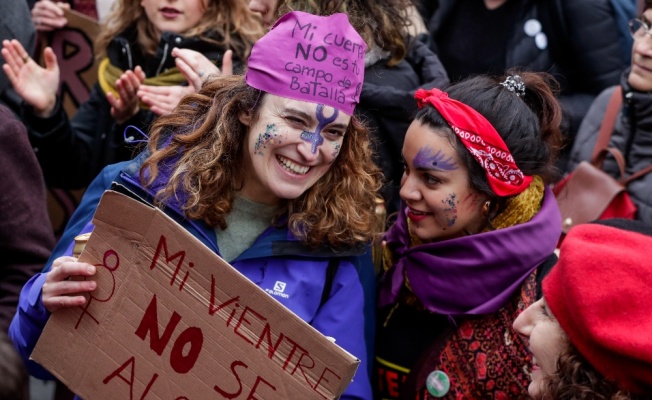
[
  {"x": 269, "y": 136},
  {"x": 425, "y": 159},
  {"x": 451, "y": 210},
  {"x": 315, "y": 137}
]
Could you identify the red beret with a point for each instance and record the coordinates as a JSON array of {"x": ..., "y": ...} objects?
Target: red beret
[{"x": 600, "y": 291}]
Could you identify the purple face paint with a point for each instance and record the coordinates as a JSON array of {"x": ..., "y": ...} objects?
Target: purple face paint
[
  {"x": 315, "y": 137},
  {"x": 451, "y": 210},
  {"x": 425, "y": 159},
  {"x": 264, "y": 138}
]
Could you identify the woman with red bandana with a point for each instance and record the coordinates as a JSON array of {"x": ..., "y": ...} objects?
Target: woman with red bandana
[{"x": 477, "y": 232}]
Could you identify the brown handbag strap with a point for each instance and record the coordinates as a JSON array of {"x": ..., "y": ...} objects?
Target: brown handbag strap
[
  {"x": 636, "y": 175},
  {"x": 608, "y": 123},
  {"x": 618, "y": 157}
]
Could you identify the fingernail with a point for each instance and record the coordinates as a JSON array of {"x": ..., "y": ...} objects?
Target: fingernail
[{"x": 91, "y": 269}]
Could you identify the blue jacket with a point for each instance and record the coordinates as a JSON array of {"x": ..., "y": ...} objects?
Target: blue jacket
[{"x": 347, "y": 314}]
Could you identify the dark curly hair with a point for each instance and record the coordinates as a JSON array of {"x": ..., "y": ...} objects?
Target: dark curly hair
[{"x": 576, "y": 379}]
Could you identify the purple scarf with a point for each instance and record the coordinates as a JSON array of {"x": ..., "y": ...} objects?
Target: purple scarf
[{"x": 471, "y": 275}]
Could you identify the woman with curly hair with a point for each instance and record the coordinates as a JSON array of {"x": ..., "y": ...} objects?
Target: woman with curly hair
[
  {"x": 590, "y": 333},
  {"x": 271, "y": 172}
]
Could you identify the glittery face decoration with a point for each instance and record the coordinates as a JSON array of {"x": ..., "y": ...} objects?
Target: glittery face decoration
[
  {"x": 270, "y": 136},
  {"x": 451, "y": 209},
  {"x": 315, "y": 137},
  {"x": 336, "y": 149},
  {"x": 426, "y": 158}
]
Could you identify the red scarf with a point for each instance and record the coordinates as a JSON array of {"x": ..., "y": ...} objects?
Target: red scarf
[{"x": 481, "y": 140}]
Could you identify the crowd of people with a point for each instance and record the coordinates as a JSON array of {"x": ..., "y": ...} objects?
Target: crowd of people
[{"x": 458, "y": 116}]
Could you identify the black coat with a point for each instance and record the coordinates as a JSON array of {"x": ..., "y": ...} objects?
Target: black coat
[
  {"x": 15, "y": 23},
  {"x": 632, "y": 135},
  {"x": 388, "y": 106},
  {"x": 583, "y": 52}
]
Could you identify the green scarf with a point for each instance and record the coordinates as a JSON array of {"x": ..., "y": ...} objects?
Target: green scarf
[{"x": 108, "y": 74}]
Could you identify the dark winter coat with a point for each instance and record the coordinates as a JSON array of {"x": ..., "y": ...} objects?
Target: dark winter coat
[
  {"x": 15, "y": 23},
  {"x": 26, "y": 236},
  {"x": 632, "y": 135},
  {"x": 583, "y": 47},
  {"x": 388, "y": 106}
]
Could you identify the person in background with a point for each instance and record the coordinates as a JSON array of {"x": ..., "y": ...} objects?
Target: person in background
[
  {"x": 589, "y": 334},
  {"x": 135, "y": 46},
  {"x": 272, "y": 178},
  {"x": 397, "y": 64},
  {"x": 632, "y": 133},
  {"x": 477, "y": 232},
  {"x": 14, "y": 381},
  {"x": 48, "y": 15},
  {"x": 15, "y": 23},
  {"x": 578, "y": 41},
  {"x": 26, "y": 237}
]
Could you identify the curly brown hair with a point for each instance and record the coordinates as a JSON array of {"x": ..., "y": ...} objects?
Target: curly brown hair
[
  {"x": 204, "y": 144},
  {"x": 381, "y": 22},
  {"x": 576, "y": 379},
  {"x": 236, "y": 26}
]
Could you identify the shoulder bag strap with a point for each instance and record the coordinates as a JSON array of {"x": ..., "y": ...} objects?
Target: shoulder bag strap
[
  {"x": 608, "y": 123},
  {"x": 618, "y": 157},
  {"x": 636, "y": 175}
]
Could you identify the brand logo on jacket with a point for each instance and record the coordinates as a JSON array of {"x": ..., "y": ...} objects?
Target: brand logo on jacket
[{"x": 279, "y": 288}]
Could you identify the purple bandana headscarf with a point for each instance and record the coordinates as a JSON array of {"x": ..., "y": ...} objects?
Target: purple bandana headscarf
[
  {"x": 311, "y": 58},
  {"x": 471, "y": 275}
]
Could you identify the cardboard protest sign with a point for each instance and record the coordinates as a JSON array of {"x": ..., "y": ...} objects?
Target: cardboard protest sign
[
  {"x": 171, "y": 320},
  {"x": 73, "y": 46}
]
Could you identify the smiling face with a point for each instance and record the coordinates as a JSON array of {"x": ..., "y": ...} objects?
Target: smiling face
[
  {"x": 177, "y": 16},
  {"x": 640, "y": 77},
  {"x": 290, "y": 146},
  {"x": 546, "y": 342},
  {"x": 436, "y": 187}
]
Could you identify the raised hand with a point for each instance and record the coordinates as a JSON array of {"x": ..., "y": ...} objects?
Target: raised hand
[
  {"x": 125, "y": 105},
  {"x": 59, "y": 291},
  {"x": 48, "y": 15},
  {"x": 163, "y": 99},
  {"x": 197, "y": 68},
  {"x": 36, "y": 85}
]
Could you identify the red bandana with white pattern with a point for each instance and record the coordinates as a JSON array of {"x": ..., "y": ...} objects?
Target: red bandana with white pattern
[{"x": 481, "y": 140}]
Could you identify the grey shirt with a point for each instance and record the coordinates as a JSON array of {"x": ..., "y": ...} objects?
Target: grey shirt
[{"x": 246, "y": 222}]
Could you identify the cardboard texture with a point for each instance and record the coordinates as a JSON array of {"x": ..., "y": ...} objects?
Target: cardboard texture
[
  {"x": 172, "y": 320},
  {"x": 73, "y": 46}
]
